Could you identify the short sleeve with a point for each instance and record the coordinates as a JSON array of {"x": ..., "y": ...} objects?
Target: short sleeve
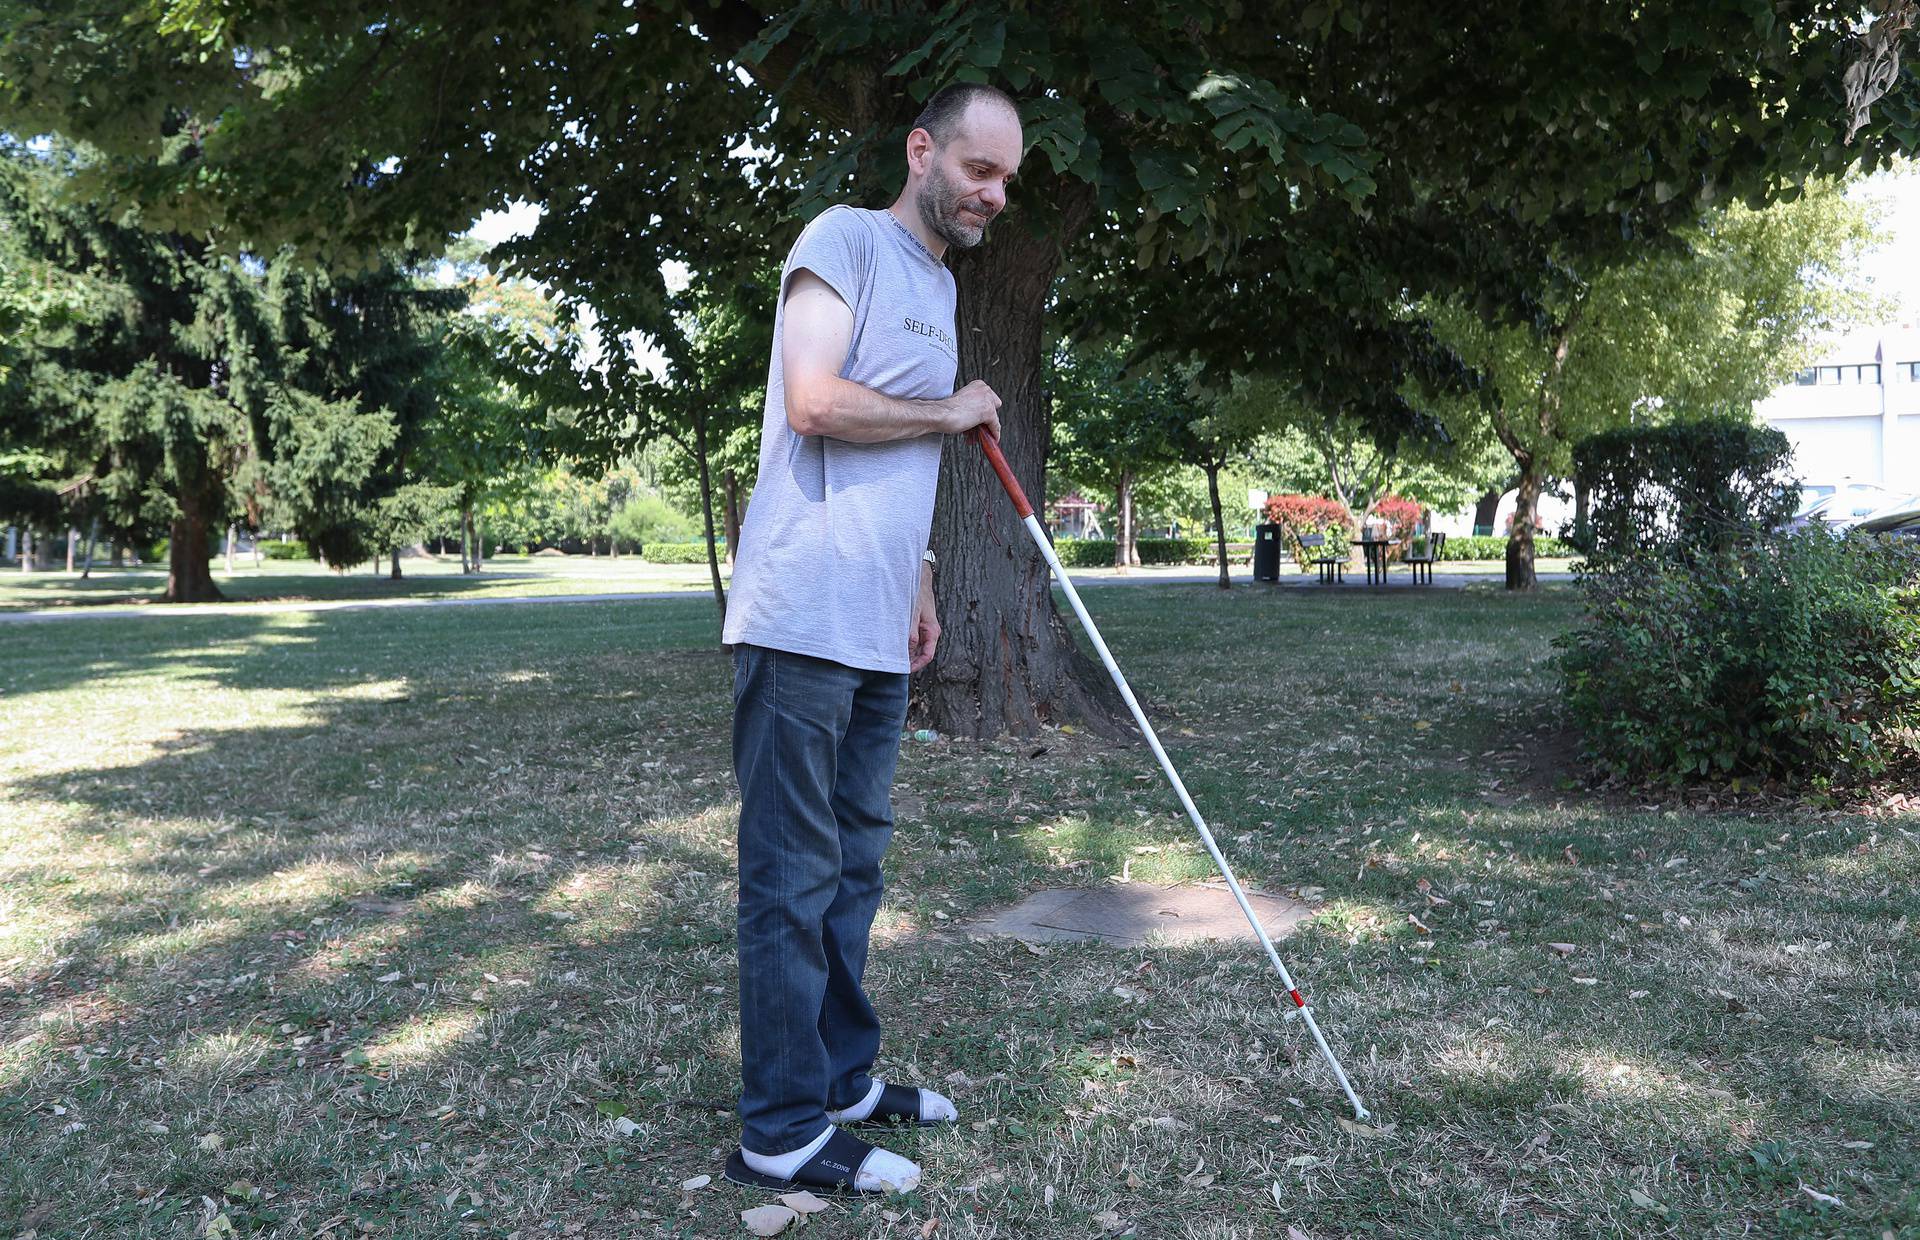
[{"x": 837, "y": 247}]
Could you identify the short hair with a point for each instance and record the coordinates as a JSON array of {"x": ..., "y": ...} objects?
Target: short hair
[{"x": 943, "y": 113}]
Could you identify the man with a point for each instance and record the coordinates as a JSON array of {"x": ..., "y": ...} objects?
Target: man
[{"x": 832, "y": 607}]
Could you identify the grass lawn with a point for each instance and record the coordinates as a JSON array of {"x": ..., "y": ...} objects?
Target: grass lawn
[
  {"x": 303, "y": 580},
  {"x": 366, "y": 922},
  {"x": 287, "y": 581}
]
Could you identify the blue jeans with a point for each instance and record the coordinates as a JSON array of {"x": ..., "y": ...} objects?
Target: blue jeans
[{"x": 814, "y": 747}]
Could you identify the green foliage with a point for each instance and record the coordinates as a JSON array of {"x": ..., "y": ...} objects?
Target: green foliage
[
  {"x": 1098, "y": 552},
  {"x": 1683, "y": 489},
  {"x": 677, "y": 553},
  {"x": 1481, "y": 547},
  {"x": 274, "y": 549},
  {"x": 647, "y": 521},
  {"x": 1797, "y": 658}
]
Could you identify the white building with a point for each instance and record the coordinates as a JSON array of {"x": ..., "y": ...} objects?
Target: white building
[{"x": 1855, "y": 414}]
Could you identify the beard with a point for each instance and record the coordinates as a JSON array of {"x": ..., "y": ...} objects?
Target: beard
[{"x": 939, "y": 208}]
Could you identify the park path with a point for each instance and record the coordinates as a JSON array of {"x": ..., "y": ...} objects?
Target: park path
[{"x": 1395, "y": 585}]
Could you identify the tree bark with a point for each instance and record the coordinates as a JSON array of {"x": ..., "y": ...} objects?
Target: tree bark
[
  {"x": 1123, "y": 500},
  {"x": 730, "y": 491},
  {"x": 26, "y": 550},
  {"x": 232, "y": 537},
  {"x": 1526, "y": 504},
  {"x": 466, "y": 537},
  {"x": 1487, "y": 509},
  {"x": 706, "y": 513},
  {"x": 93, "y": 539},
  {"x": 1219, "y": 523},
  {"x": 393, "y": 559},
  {"x": 1006, "y": 661},
  {"x": 479, "y": 541},
  {"x": 189, "y": 557}
]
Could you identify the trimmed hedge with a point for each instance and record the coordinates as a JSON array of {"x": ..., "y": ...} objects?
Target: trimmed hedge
[
  {"x": 677, "y": 553},
  {"x": 1098, "y": 552},
  {"x": 1482, "y": 548},
  {"x": 277, "y": 550}
]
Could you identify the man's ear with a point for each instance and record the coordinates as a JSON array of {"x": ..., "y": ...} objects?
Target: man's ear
[{"x": 919, "y": 151}]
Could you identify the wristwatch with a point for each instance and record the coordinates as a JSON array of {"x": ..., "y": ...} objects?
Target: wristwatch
[{"x": 931, "y": 560}]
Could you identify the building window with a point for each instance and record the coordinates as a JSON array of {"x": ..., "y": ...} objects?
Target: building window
[
  {"x": 1829, "y": 374},
  {"x": 1870, "y": 374},
  {"x": 1913, "y": 371},
  {"x": 1808, "y": 376},
  {"x": 1851, "y": 374}
]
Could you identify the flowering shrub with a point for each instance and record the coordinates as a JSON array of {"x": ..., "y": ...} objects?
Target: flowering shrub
[
  {"x": 1401, "y": 514},
  {"x": 1300, "y": 515}
]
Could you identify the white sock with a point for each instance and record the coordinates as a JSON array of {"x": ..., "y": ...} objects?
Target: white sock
[
  {"x": 885, "y": 1172},
  {"x": 880, "y": 1172},
  {"x": 784, "y": 1165},
  {"x": 934, "y": 1108}
]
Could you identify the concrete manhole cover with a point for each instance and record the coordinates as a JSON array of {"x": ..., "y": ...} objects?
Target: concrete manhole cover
[{"x": 1131, "y": 914}]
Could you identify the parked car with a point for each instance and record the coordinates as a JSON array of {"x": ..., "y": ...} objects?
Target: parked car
[
  {"x": 1841, "y": 505},
  {"x": 1901, "y": 520}
]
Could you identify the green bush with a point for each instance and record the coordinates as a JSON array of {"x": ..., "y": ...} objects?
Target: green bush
[
  {"x": 277, "y": 550},
  {"x": 1683, "y": 489},
  {"x": 1480, "y": 547},
  {"x": 677, "y": 553},
  {"x": 1796, "y": 658},
  {"x": 1098, "y": 552}
]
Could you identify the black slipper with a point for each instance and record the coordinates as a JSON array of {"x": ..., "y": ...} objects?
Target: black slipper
[
  {"x": 831, "y": 1170},
  {"x": 898, "y": 1104}
]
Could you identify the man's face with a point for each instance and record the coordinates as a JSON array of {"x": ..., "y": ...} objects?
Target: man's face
[{"x": 965, "y": 183}]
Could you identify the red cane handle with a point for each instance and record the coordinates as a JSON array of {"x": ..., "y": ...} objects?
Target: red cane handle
[{"x": 991, "y": 446}]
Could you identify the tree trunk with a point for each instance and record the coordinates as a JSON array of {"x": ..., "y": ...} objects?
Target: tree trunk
[
  {"x": 730, "y": 492},
  {"x": 1526, "y": 504},
  {"x": 1006, "y": 661},
  {"x": 1123, "y": 500},
  {"x": 393, "y": 559},
  {"x": 189, "y": 556},
  {"x": 1487, "y": 510},
  {"x": 479, "y": 541},
  {"x": 93, "y": 539},
  {"x": 706, "y": 514},
  {"x": 232, "y": 537},
  {"x": 1219, "y": 523},
  {"x": 119, "y": 555},
  {"x": 466, "y": 537},
  {"x": 1582, "y": 494},
  {"x": 26, "y": 550},
  {"x": 73, "y": 539}
]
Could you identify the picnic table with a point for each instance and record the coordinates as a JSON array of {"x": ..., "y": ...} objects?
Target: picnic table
[{"x": 1375, "y": 551}]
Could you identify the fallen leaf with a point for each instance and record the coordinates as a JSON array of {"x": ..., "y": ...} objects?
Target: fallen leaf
[
  {"x": 801, "y": 1202},
  {"x": 767, "y": 1220},
  {"x": 394, "y": 976},
  {"x": 625, "y": 1127},
  {"x": 1856, "y": 1145},
  {"x": 1277, "y": 1193},
  {"x": 697, "y": 1183},
  {"x": 1645, "y": 1202},
  {"x": 211, "y": 1141},
  {"x": 1562, "y": 949},
  {"x": 1304, "y": 1161},
  {"x": 1419, "y": 925},
  {"x": 929, "y": 1227},
  {"x": 1823, "y": 1198},
  {"x": 219, "y": 1225},
  {"x": 1109, "y": 1220},
  {"x": 1359, "y": 1129},
  {"x": 1294, "y": 1233}
]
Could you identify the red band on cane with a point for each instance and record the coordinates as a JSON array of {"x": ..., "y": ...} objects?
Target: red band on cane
[
  {"x": 991, "y": 446},
  {"x": 1297, "y": 1000}
]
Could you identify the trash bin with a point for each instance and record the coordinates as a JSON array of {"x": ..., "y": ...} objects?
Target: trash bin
[{"x": 1266, "y": 553}]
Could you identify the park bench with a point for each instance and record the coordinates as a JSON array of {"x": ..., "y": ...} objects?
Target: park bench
[
  {"x": 1332, "y": 568},
  {"x": 1429, "y": 559}
]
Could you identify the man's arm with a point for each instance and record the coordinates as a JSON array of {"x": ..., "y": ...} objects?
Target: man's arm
[{"x": 816, "y": 335}]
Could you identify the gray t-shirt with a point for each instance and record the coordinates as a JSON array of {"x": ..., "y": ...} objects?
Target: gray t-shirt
[{"x": 829, "y": 557}]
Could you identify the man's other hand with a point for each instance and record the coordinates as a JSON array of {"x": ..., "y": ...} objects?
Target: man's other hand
[{"x": 926, "y": 630}]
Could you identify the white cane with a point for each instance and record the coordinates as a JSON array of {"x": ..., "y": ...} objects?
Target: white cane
[{"x": 999, "y": 462}]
